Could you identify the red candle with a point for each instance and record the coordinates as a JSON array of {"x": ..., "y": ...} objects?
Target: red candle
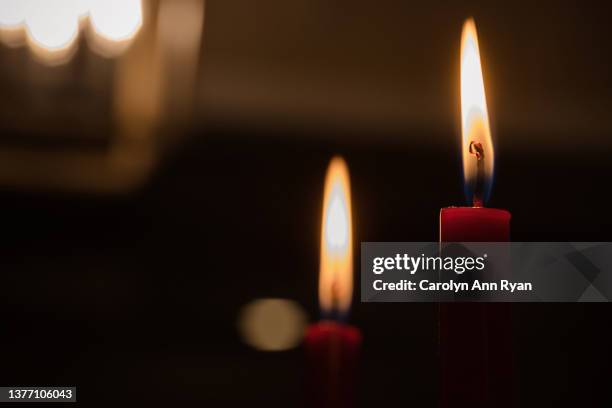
[
  {"x": 475, "y": 338},
  {"x": 332, "y": 351},
  {"x": 332, "y": 347},
  {"x": 474, "y": 224}
]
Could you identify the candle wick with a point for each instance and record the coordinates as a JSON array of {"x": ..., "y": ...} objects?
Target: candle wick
[
  {"x": 477, "y": 150},
  {"x": 335, "y": 313},
  {"x": 335, "y": 295}
]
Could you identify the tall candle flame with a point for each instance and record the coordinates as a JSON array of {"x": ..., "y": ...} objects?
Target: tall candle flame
[
  {"x": 477, "y": 145},
  {"x": 336, "y": 270}
]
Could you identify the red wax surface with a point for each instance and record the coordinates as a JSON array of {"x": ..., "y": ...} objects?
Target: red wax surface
[
  {"x": 476, "y": 350},
  {"x": 332, "y": 352},
  {"x": 474, "y": 224}
]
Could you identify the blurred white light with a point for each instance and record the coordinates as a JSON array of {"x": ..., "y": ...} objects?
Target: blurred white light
[
  {"x": 52, "y": 27},
  {"x": 82, "y": 7},
  {"x": 12, "y": 16},
  {"x": 12, "y": 13},
  {"x": 116, "y": 20},
  {"x": 272, "y": 324}
]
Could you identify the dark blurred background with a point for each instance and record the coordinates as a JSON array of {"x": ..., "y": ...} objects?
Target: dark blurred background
[{"x": 154, "y": 184}]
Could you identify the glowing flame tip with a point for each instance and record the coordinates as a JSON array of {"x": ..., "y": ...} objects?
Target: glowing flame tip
[
  {"x": 477, "y": 145},
  {"x": 336, "y": 269}
]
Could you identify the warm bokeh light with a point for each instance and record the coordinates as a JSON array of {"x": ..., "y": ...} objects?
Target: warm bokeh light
[
  {"x": 474, "y": 116},
  {"x": 52, "y": 28},
  {"x": 115, "y": 23},
  {"x": 12, "y": 37},
  {"x": 12, "y": 22},
  {"x": 272, "y": 324},
  {"x": 336, "y": 269},
  {"x": 82, "y": 7},
  {"x": 12, "y": 13}
]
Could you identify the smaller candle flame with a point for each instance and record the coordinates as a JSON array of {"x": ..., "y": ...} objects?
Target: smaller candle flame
[
  {"x": 336, "y": 269},
  {"x": 477, "y": 145}
]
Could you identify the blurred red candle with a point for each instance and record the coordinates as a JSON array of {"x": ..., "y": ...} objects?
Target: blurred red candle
[
  {"x": 332, "y": 346},
  {"x": 475, "y": 338}
]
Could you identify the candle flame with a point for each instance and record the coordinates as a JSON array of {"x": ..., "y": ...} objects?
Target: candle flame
[
  {"x": 477, "y": 145},
  {"x": 336, "y": 270}
]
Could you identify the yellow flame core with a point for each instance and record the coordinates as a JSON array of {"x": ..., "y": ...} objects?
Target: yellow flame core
[
  {"x": 336, "y": 270},
  {"x": 474, "y": 116}
]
